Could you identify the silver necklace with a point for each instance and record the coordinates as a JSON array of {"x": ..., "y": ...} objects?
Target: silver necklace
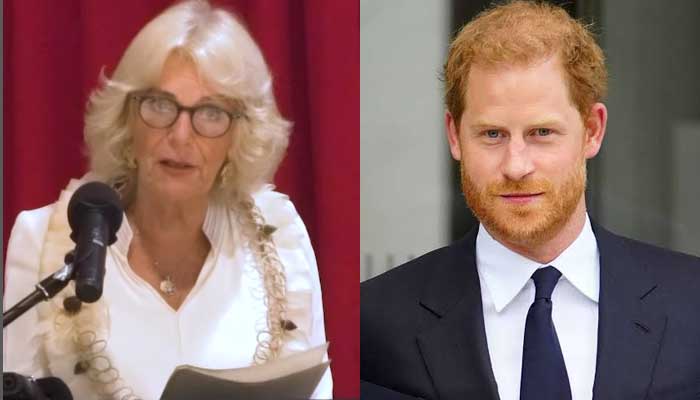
[{"x": 167, "y": 286}]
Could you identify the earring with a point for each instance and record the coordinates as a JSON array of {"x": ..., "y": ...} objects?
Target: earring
[
  {"x": 225, "y": 174},
  {"x": 129, "y": 158}
]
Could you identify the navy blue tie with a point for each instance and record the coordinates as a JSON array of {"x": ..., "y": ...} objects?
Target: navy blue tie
[{"x": 544, "y": 374}]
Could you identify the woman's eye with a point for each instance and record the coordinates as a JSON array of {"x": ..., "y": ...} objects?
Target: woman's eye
[
  {"x": 543, "y": 131},
  {"x": 211, "y": 113},
  {"x": 161, "y": 105}
]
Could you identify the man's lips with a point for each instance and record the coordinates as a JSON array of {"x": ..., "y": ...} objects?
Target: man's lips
[
  {"x": 521, "y": 194},
  {"x": 520, "y": 198}
]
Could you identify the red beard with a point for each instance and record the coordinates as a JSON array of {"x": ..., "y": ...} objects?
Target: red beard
[{"x": 529, "y": 224}]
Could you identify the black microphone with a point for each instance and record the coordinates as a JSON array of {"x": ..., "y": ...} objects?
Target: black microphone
[
  {"x": 54, "y": 388},
  {"x": 18, "y": 387},
  {"x": 95, "y": 215}
]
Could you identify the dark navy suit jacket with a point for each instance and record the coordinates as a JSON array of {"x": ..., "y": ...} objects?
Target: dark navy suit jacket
[{"x": 422, "y": 326}]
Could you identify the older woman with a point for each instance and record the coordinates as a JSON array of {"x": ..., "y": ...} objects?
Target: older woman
[{"x": 211, "y": 267}]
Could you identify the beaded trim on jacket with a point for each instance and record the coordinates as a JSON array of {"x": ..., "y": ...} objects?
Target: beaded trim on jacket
[{"x": 75, "y": 345}]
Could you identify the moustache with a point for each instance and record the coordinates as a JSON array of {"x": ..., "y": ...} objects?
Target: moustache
[{"x": 526, "y": 187}]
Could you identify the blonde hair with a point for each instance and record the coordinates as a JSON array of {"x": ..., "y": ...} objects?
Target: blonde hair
[
  {"x": 230, "y": 62},
  {"x": 520, "y": 33},
  {"x": 228, "y": 59}
]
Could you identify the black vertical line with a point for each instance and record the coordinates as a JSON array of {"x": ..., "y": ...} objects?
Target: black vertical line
[
  {"x": 461, "y": 219},
  {"x": 590, "y": 12}
]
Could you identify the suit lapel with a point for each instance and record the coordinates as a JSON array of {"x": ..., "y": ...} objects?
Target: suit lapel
[
  {"x": 453, "y": 341},
  {"x": 630, "y": 325}
]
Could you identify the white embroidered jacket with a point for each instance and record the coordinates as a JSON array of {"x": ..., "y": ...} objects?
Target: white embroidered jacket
[{"x": 132, "y": 337}]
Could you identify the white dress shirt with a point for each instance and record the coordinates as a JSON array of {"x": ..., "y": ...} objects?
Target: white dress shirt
[
  {"x": 215, "y": 327},
  {"x": 507, "y": 292}
]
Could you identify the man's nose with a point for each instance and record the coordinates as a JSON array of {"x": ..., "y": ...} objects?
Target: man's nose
[{"x": 517, "y": 160}]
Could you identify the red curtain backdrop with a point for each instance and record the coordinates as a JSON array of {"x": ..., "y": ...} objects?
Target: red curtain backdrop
[{"x": 54, "y": 50}]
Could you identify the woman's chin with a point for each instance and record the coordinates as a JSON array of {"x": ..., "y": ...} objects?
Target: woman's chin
[{"x": 179, "y": 190}]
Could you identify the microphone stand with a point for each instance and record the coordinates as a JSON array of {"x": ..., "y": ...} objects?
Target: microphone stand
[
  {"x": 20, "y": 387},
  {"x": 43, "y": 291}
]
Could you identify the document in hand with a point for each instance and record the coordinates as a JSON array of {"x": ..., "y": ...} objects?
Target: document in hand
[{"x": 292, "y": 377}]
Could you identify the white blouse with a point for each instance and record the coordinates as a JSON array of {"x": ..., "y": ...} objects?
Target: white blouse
[{"x": 145, "y": 339}]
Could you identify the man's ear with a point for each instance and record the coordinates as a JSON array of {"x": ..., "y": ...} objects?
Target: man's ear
[
  {"x": 595, "y": 129},
  {"x": 453, "y": 136}
]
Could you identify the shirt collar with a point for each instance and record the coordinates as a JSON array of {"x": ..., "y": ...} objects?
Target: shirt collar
[
  {"x": 505, "y": 272},
  {"x": 212, "y": 227}
]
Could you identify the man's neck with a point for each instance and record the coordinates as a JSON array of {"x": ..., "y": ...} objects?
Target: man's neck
[{"x": 546, "y": 252}]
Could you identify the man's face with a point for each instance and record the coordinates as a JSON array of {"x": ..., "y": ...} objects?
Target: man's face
[{"x": 523, "y": 148}]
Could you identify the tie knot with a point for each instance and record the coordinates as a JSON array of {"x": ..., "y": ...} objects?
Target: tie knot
[{"x": 545, "y": 280}]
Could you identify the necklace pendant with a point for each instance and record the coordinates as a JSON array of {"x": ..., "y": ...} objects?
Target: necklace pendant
[{"x": 167, "y": 286}]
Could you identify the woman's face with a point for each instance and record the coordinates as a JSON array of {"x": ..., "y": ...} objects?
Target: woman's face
[{"x": 176, "y": 163}]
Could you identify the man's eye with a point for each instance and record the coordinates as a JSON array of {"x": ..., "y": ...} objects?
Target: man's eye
[
  {"x": 543, "y": 131},
  {"x": 492, "y": 134}
]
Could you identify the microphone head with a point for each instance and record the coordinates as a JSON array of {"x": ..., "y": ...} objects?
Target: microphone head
[
  {"x": 91, "y": 197},
  {"x": 54, "y": 388},
  {"x": 16, "y": 386}
]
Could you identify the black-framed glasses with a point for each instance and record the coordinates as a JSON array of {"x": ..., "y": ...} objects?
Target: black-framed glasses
[{"x": 159, "y": 110}]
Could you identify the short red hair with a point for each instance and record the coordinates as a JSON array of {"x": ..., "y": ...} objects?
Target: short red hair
[{"x": 520, "y": 33}]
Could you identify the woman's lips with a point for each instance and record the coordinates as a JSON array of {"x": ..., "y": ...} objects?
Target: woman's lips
[
  {"x": 520, "y": 198},
  {"x": 176, "y": 165}
]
